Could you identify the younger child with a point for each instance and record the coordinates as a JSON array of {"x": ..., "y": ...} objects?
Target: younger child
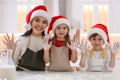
[
  {"x": 98, "y": 58},
  {"x": 62, "y": 49}
]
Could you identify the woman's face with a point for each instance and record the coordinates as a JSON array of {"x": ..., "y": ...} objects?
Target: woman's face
[
  {"x": 61, "y": 31},
  {"x": 97, "y": 42},
  {"x": 38, "y": 25}
]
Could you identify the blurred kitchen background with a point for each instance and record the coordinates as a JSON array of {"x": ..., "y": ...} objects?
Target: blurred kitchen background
[{"x": 83, "y": 14}]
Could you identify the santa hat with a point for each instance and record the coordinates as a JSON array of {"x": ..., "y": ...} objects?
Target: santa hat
[
  {"x": 57, "y": 20},
  {"x": 101, "y": 30},
  {"x": 39, "y": 10}
]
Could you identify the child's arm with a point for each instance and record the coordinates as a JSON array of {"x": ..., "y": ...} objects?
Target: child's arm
[
  {"x": 83, "y": 46},
  {"x": 83, "y": 60},
  {"x": 112, "y": 61},
  {"x": 113, "y": 50},
  {"x": 74, "y": 45},
  {"x": 74, "y": 56},
  {"x": 46, "y": 46}
]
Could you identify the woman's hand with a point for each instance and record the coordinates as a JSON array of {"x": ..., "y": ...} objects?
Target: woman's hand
[
  {"x": 10, "y": 44},
  {"x": 45, "y": 43},
  {"x": 83, "y": 46},
  {"x": 113, "y": 48}
]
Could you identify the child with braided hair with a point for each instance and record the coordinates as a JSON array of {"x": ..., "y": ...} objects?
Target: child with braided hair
[{"x": 98, "y": 58}]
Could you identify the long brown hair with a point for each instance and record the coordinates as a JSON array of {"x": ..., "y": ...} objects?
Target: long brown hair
[{"x": 27, "y": 33}]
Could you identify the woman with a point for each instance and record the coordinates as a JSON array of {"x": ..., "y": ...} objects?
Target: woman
[{"x": 28, "y": 53}]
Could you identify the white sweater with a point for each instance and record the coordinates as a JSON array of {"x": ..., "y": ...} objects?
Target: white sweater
[
  {"x": 97, "y": 58},
  {"x": 22, "y": 44}
]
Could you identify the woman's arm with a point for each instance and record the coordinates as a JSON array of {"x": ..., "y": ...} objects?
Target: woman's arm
[
  {"x": 16, "y": 54},
  {"x": 19, "y": 49},
  {"x": 11, "y": 44},
  {"x": 46, "y": 56}
]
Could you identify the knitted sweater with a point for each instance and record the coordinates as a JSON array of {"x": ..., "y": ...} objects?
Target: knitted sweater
[{"x": 23, "y": 44}]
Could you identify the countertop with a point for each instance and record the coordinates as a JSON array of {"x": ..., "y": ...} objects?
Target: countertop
[{"x": 31, "y": 75}]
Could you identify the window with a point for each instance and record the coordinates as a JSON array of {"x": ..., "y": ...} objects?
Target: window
[
  {"x": 23, "y": 6},
  {"x": 87, "y": 16},
  {"x": 95, "y": 11}
]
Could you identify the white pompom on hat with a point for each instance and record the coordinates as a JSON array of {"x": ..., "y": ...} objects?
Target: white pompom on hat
[
  {"x": 39, "y": 10},
  {"x": 101, "y": 30}
]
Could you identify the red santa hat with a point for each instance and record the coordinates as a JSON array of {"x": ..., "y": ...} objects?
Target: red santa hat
[
  {"x": 57, "y": 20},
  {"x": 39, "y": 10},
  {"x": 101, "y": 30}
]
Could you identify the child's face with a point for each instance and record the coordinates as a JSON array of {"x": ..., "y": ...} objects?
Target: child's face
[
  {"x": 38, "y": 25},
  {"x": 97, "y": 42},
  {"x": 61, "y": 31}
]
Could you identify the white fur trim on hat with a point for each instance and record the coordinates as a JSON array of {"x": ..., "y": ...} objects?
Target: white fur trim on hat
[
  {"x": 39, "y": 13},
  {"x": 34, "y": 14},
  {"x": 99, "y": 31},
  {"x": 60, "y": 21},
  {"x": 27, "y": 26}
]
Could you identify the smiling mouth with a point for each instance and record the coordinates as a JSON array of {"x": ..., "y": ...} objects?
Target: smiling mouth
[
  {"x": 38, "y": 28},
  {"x": 96, "y": 45},
  {"x": 61, "y": 33}
]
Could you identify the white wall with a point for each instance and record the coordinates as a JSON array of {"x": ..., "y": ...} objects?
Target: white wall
[
  {"x": 73, "y": 10},
  {"x": 8, "y": 16},
  {"x": 1, "y": 17},
  {"x": 52, "y": 6},
  {"x": 114, "y": 15}
]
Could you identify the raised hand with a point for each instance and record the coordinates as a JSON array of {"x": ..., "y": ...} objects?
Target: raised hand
[
  {"x": 83, "y": 46},
  {"x": 45, "y": 43},
  {"x": 10, "y": 44},
  {"x": 77, "y": 35},
  {"x": 74, "y": 42},
  {"x": 113, "y": 48}
]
